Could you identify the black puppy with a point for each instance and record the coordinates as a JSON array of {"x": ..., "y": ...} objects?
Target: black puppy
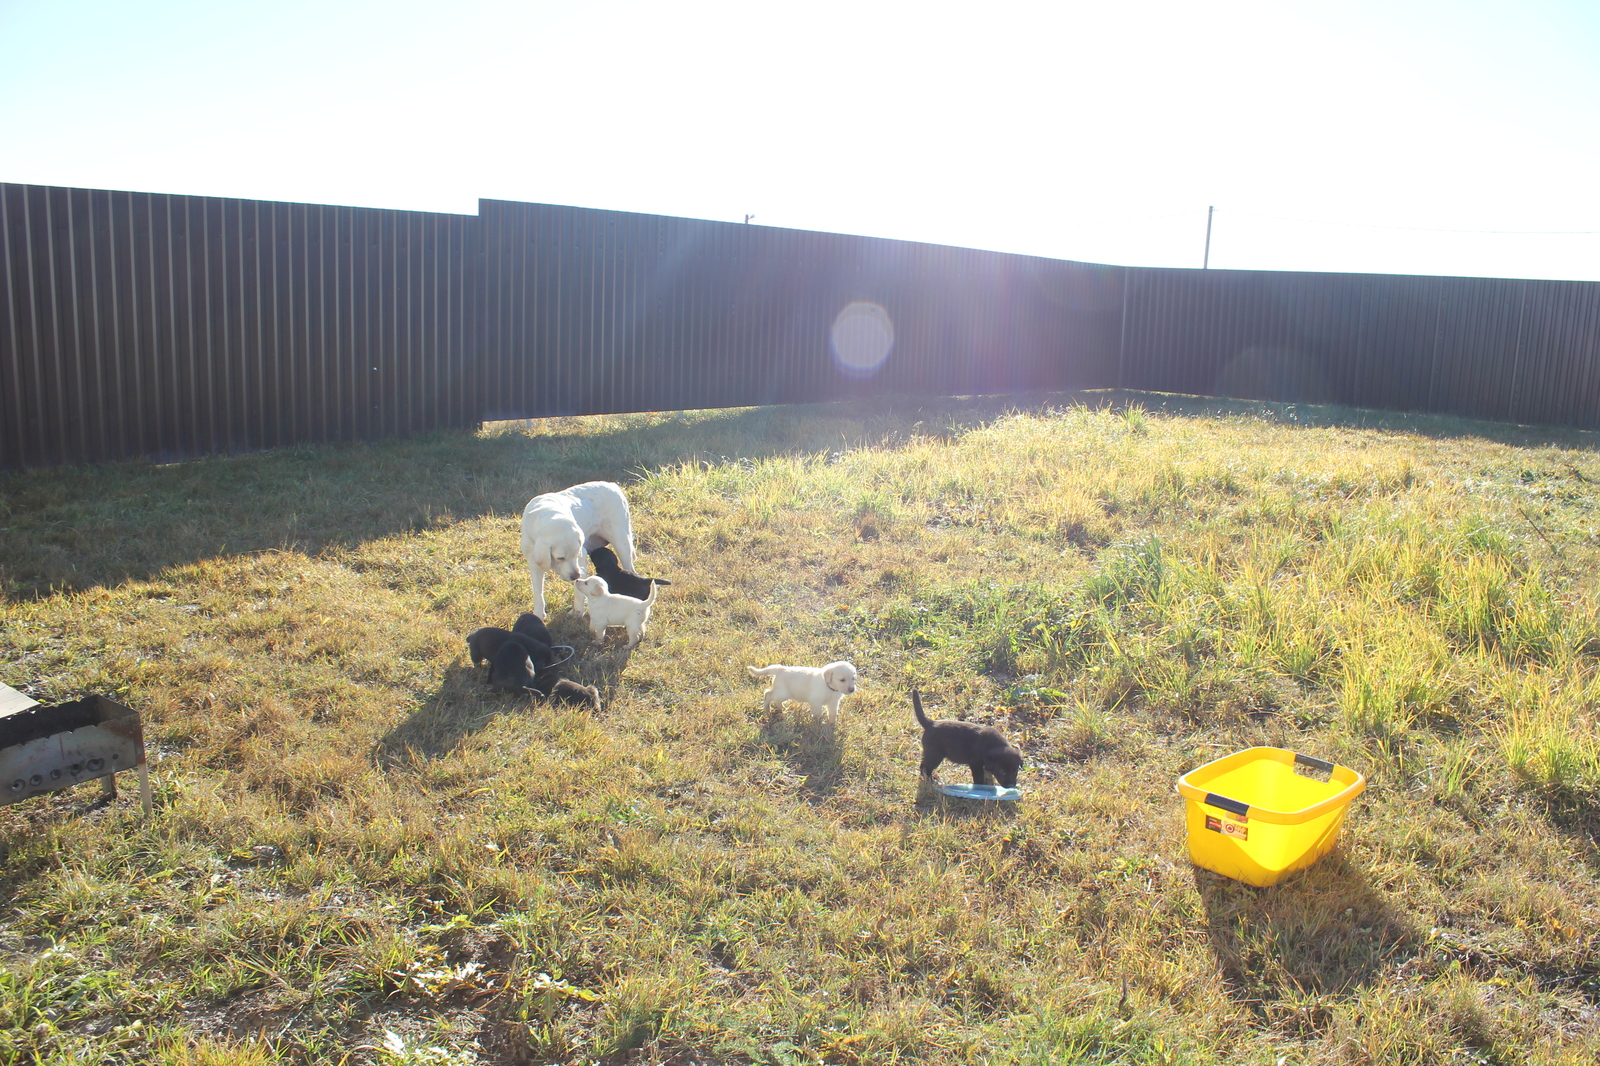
[
  {"x": 512, "y": 670},
  {"x": 619, "y": 581},
  {"x": 531, "y": 625},
  {"x": 485, "y": 644},
  {"x": 982, "y": 747}
]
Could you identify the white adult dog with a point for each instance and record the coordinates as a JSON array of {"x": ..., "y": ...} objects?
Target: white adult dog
[
  {"x": 607, "y": 608},
  {"x": 819, "y": 687},
  {"x": 559, "y": 527}
]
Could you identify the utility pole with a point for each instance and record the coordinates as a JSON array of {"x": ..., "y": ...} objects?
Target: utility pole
[{"x": 1205, "y": 264}]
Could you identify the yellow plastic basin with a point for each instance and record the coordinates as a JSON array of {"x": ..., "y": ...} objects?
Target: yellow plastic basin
[{"x": 1251, "y": 817}]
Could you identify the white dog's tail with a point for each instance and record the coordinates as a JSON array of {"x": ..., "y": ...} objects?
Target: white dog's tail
[
  {"x": 764, "y": 671},
  {"x": 652, "y": 597}
]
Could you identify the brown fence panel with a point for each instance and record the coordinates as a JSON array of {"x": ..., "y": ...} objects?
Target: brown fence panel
[
  {"x": 149, "y": 325},
  {"x": 602, "y": 311},
  {"x": 1246, "y": 334},
  {"x": 1479, "y": 322},
  {"x": 1487, "y": 348},
  {"x": 1556, "y": 378}
]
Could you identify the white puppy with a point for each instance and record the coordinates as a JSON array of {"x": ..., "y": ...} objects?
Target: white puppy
[
  {"x": 559, "y": 527},
  {"x": 607, "y": 608},
  {"x": 820, "y": 688}
]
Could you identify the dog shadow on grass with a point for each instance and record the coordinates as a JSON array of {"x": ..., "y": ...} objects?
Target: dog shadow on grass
[
  {"x": 462, "y": 706},
  {"x": 1286, "y": 951},
  {"x": 811, "y": 749},
  {"x": 601, "y": 662},
  {"x": 1576, "y": 818}
]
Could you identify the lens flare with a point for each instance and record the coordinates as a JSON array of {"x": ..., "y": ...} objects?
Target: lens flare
[{"x": 862, "y": 337}]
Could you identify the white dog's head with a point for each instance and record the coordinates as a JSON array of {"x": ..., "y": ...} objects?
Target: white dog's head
[
  {"x": 840, "y": 677},
  {"x": 558, "y": 547},
  {"x": 593, "y": 585}
]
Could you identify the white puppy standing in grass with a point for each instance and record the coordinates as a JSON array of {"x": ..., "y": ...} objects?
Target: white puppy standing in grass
[
  {"x": 819, "y": 687},
  {"x": 559, "y": 527},
  {"x": 607, "y": 608}
]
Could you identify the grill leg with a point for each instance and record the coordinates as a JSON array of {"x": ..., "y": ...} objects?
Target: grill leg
[
  {"x": 110, "y": 781},
  {"x": 144, "y": 787}
]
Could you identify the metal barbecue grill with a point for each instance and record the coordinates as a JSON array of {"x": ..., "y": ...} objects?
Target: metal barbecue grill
[{"x": 46, "y": 749}]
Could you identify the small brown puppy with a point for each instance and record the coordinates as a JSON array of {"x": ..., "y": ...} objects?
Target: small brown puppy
[
  {"x": 981, "y": 747},
  {"x": 622, "y": 582},
  {"x": 553, "y": 687}
]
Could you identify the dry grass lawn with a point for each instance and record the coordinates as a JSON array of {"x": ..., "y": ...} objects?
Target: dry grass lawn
[{"x": 362, "y": 855}]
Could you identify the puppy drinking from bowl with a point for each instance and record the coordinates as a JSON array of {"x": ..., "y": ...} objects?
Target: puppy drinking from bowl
[
  {"x": 982, "y": 748},
  {"x": 607, "y": 608},
  {"x": 512, "y": 670},
  {"x": 819, "y": 687}
]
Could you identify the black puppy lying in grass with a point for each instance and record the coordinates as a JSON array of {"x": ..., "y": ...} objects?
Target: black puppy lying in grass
[
  {"x": 981, "y": 747},
  {"x": 619, "y": 581}
]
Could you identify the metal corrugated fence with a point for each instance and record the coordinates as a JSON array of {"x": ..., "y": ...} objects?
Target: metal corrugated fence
[
  {"x": 603, "y": 311},
  {"x": 1491, "y": 348},
  {"x": 137, "y": 324},
  {"x": 148, "y": 325}
]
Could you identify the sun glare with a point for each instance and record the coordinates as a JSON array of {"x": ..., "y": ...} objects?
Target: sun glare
[{"x": 863, "y": 334}]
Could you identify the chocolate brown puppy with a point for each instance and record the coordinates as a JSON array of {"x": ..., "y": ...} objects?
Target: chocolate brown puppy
[
  {"x": 554, "y": 687},
  {"x": 982, "y": 747},
  {"x": 620, "y": 581}
]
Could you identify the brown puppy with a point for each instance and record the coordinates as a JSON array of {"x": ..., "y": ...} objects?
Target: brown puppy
[
  {"x": 981, "y": 747},
  {"x": 553, "y": 687},
  {"x": 622, "y": 582}
]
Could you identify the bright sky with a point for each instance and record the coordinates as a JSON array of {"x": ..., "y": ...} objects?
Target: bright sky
[{"x": 1358, "y": 135}]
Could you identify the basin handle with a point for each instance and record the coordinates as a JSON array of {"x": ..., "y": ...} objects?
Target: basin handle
[
  {"x": 1233, "y": 805},
  {"x": 1316, "y": 764}
]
